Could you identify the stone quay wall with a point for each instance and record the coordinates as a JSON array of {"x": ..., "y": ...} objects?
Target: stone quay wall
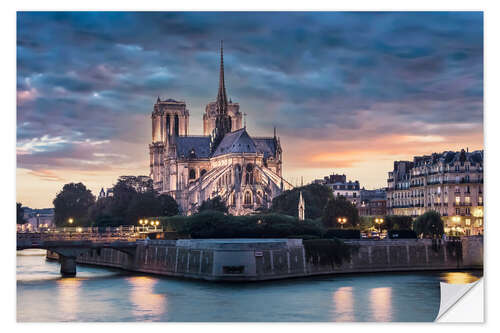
[{"x": 267, "y": 259}]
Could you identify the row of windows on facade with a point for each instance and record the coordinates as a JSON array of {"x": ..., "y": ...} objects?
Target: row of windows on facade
[
  {"x": 458, "y": 201},
  {"x": 457, "y": 168},
  {"x": 437, "y": 191},
  {"x": 227, "y": 178}
]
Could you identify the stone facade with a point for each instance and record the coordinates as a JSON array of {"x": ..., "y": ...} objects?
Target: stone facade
[
  {"x": 450, "y": 183},
  {"x": 245, "y": 171}
]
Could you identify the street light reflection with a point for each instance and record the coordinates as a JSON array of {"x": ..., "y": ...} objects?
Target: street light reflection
[
  {"x": 459, "y": 277},
  {"x": 344, "y": 304},
  {"x": 68, "y": 297},
  {"x": 381, "y": 303},
  {"x": 148, "y": 305}
]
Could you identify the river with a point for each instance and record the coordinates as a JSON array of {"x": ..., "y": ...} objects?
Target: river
[{"x": 101, "y": 294}]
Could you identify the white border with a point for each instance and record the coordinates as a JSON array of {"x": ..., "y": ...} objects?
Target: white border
[{"x": 492, "y": 138}]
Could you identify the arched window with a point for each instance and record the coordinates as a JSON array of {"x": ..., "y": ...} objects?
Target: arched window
[
  {"x": 203, "y": 172},
  {"x": 257, "y": 199},
  {"x": 192, "y": 174},
  {"x": 176, "y": 125},
  {"x": 249, "y": 174},
  {"x": 248, "y": 198}
]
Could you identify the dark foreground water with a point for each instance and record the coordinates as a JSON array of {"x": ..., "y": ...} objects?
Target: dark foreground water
[{"x": 99, "y": 294}]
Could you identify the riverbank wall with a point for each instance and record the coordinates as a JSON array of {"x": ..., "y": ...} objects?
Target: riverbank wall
[{"x": 267, "y": 259}]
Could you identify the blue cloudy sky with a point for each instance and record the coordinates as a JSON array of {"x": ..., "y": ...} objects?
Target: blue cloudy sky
[{"x": 348, "y": 92}]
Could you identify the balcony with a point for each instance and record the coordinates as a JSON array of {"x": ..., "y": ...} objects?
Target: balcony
[{"x": 459, "y": 204}]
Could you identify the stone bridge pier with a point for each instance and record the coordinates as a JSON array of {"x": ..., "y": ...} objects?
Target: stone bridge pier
[
  {"x": 67, "y": 259},
  {"x": 68, "y": 256}
]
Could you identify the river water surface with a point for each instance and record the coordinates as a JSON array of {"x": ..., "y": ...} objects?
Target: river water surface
[{"x": 101, "y": 294}]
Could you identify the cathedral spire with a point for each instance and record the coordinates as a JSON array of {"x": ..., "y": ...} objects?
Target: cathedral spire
[
  {"x": 222, "y": 120},
  {"x": 221, "y": 103}
]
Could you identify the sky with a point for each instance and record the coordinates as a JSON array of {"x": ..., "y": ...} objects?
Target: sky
[{"x": 349, "y": 92}]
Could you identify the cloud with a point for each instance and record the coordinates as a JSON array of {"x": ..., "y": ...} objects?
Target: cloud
[{"x": 333, "y": 77}]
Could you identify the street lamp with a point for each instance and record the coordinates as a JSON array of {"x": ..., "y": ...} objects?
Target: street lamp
[
  {"x": 341, "y": 221},
  {"x": 141, "y": 222},
  {"x": 156, "y": 224},
  {"x": 379, "y": 221}
]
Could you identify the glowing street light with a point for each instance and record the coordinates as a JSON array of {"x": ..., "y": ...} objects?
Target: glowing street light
[
  {"x": 379, "y": 221},
  {"x": 70, "y": 220},
  {"x": 342, "y": 221}
]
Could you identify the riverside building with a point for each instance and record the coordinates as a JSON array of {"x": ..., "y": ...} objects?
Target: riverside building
[
  {"x": 245, "y": 171},
  {"x": 450, "y": 183}
]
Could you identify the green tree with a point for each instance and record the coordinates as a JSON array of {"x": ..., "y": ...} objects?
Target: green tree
[
  {"x": 73, "y": 201},
  {"x": 340, "y": 207},
  {"x": 20, "y": 213},
  {"x": 169, "y": 206},
  {"x": 429, "y": 224},
  {"x": 397, "y": 222},
  {"x": 315, "y": 196},
  {"x": 143, "y": 205},
  {"x": 214, "y": 204}
]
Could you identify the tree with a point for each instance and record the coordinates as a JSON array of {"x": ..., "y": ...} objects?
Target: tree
[
  {"x": 214, "y": 204},
  {"x": 73, "y": 201},
  {"x": 143, "y": 205},
  {"x": 340, "y": 207},
  {"x": 315, "y": 196},
  {"x": 169, "y": 206},
  {"x": 429, "y": 224},
  {"x": 20, "y": 213},
  {"x": 397, "y": 222}
]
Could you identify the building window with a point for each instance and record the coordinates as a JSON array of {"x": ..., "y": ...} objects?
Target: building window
[
  {"x": 457, "y": 200},
  {"x": 467, "y": 211},
  {"x": 457, "y": 211},
  {"x": 203, "y": 172},
  {"x": 192, "y": 174},
  {"x": 467, "y": 221},
  {"x": 467, "y": 200},
  {"x": 354, "y": 194},
  {"x": 249, "y": 174},
  {"x": 248, "y": 198}
]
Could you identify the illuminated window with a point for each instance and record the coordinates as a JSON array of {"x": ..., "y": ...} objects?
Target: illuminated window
[
  {"x": 248, "y": 198},
  {"x": 467, "y": 221},
  {"x": 457, "y": 200},
  {"x": 467, "y": 199}
]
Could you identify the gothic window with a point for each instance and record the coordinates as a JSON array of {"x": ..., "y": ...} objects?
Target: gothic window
[
  {"x": 192, "y": 174},
  {"x": 203, "y": 172},
  {"x": 176, "y": 125},
  {"x": 248, "y": 198},
  {"x": 257, "y": 199},
  {"x": 249, "y": 174}
]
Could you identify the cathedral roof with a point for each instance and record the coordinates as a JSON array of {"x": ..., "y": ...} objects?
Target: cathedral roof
[
  {"x": 187, "y": 144},
  {"x": 236, "y": 142},
  {"x": 267, "y": 146}
]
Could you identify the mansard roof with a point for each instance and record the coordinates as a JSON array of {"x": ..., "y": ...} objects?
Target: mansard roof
[
  {"x": 187, "y": 144},
  {"x": 236, "y": 142}
]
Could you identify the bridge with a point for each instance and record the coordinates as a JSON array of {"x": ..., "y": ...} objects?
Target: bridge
[{"x": 69, "y": 243}]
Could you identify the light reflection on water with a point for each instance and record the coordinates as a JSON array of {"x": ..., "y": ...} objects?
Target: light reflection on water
[
  {"x": 146, "y": 302},
  {"x": 99, "y": 294},
  {"x": 343, "y": 304},
  {"x": 380, "y": 299}
]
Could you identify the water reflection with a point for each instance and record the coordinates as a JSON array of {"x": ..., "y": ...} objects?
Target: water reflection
[
  {"x": 459, "y": 277},
  {"x": 344, "y": 304},
  {"x": 69, "y": 297},
  {"x": 381, "y": 303},
  {"x": 146, "y": 302}
]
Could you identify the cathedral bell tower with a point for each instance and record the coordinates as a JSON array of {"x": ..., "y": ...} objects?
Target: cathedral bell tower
[
  {"x": 222, "y": 120},
  {"x": 170, "y": 119}
]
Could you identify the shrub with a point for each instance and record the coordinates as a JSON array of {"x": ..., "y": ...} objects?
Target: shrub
[
  {"x": 328, "y": 251},
  {"x": 343, "y": 233},
  {"x": 402, "y": 234},
  {"x": 429, "y": 224}
]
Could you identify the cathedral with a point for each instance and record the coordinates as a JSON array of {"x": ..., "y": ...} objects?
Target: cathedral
[{"x": 225, "y": 161}]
